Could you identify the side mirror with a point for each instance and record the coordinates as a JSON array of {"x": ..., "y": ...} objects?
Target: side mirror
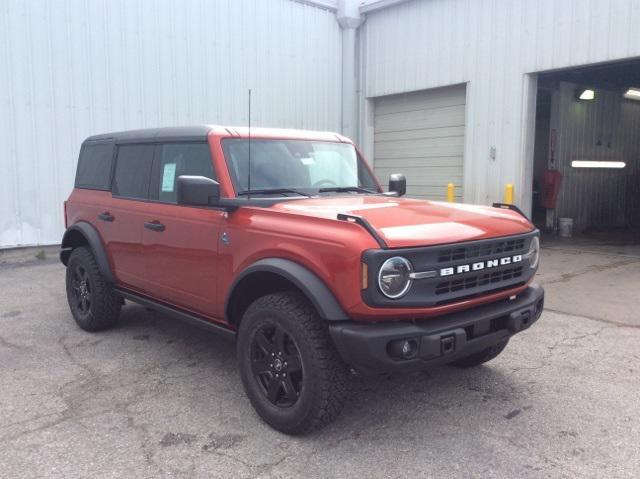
[
  {"x": 397, "y": 184},
  {"x": 197, "y": 191}
]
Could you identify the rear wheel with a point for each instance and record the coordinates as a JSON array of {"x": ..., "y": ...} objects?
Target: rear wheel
[
  {"x": 482, "y": 357},
  {"x": 291, "y": 372},
  {"x": 93, "y": 302}
]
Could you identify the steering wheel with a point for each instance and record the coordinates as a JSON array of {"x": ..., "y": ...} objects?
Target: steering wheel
[{"x": 326, "y": 181}]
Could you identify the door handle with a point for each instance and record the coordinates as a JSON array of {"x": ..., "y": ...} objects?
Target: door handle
[
  {"x": 106, "y": 216},
  {"x": 154, "y": 226}
]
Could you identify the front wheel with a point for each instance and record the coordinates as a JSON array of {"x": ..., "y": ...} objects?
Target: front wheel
[
  {"x": 290, "y": 370},
  {"x": 482, "y": 357}
]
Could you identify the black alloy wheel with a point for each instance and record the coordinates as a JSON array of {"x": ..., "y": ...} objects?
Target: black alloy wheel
[
  {"x": 289, "y": 367},
  {"x": 81, "y": 288},
  {"x": 276, "y": 365}
]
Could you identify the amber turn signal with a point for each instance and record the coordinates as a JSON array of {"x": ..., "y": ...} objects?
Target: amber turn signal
[{"x": 365, "y": 276}]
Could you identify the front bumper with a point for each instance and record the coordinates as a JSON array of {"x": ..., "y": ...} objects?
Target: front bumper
[{"x": 368, "y": 347}]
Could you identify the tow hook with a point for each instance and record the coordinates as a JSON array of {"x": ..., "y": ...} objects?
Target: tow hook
[
  {"x": 447, "y": 345},
  {"x": 519, "y": 320}
]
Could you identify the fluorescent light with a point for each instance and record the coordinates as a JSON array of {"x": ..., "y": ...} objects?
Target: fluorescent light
[
  {"x": 633, "y": 94},
  {"x": 598, "y": 164},
  {"x": 585, "y": 94}
]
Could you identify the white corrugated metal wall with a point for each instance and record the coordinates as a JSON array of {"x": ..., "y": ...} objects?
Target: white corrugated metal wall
[
  {"x": 70, "y": 69},
  {"x": 493, "y": 45},
  {"x": 73, "y": 68}
]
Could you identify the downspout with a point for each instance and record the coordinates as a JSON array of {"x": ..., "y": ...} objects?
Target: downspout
[{"x": 349, "y": 19}]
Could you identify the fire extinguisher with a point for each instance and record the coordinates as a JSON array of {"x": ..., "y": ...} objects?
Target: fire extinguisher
[{"x": 551, "y": 181}]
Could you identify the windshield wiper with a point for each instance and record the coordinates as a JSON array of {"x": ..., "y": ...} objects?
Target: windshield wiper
[
  {"x": 275, "y": 191},
  {"x": 345, "y": 189}
]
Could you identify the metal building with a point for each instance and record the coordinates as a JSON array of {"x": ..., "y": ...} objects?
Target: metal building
[
  {"x": 73, "y": 68},
  {"x": 429, "y": 56},
  {"x": 480, "y": 93}
]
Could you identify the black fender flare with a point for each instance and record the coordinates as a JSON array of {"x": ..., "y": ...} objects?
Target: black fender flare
[
  {"x": 305, "y": 280},
  {"x": 95, "y": 243}
]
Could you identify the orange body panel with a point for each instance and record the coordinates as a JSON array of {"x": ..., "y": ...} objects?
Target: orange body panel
[{"x": 194, "y": 270}]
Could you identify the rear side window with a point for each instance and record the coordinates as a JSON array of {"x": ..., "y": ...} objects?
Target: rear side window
[
  {"x": 176, "y": 159},
  {"x": 94, "y": 166},
  {"x": 133, "y": 171}
]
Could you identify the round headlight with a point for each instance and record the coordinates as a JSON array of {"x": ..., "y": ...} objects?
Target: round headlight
[
  {"x": 534, "y": 252},
  {"x": 393, "y": 279}
]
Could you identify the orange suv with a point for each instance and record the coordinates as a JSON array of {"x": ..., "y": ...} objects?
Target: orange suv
[{"x": 285, "y": 241}]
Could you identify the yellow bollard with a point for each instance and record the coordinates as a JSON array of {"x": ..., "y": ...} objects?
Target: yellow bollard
[
  {"x": 508, "y": 194},
  {"x": 451, "y": 193}
]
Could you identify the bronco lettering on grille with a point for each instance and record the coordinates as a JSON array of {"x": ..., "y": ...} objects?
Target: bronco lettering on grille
[{"x": 490, "y": 263}]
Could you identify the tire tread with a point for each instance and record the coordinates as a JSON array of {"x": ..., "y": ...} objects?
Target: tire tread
[
  {"x": 106, "y": 304},
  {"x": 334, "y": 374}
]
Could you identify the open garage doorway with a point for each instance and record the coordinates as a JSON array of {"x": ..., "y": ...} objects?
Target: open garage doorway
[{"x": 587, "y": 151}]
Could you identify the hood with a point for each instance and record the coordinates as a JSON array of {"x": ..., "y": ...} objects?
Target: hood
[{"x": 405, "y": 223}]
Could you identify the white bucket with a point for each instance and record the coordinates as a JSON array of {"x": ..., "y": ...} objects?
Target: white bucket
[{"x": 565, "y": 227}]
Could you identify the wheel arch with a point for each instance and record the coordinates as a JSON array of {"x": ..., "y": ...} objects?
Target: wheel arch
[
  {"x": 277, "y": 274},
  {"x": 84, "y": 234}
]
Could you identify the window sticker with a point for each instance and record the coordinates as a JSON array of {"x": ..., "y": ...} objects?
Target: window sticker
[
  {"x": 168, "y": 177},
  {"x": 308, "y": 161}
]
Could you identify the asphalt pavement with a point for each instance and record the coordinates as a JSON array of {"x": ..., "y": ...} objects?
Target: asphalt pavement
[{"x": 158, "y": 398}]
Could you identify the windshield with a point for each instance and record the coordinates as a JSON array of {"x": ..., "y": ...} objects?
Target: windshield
[{"x": 297, "y": 167}]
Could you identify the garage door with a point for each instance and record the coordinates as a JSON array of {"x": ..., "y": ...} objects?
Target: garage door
[{"x": 421, "y": 134}]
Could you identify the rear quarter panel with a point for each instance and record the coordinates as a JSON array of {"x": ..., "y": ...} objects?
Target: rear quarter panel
[{"x": 121, "y": 238}]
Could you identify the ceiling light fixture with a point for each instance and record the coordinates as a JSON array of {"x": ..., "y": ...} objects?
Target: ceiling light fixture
[
  {"x": 633, "y": 94},
  {"x": 585, "y": 94},
  {"x": 598, "y": 164}
]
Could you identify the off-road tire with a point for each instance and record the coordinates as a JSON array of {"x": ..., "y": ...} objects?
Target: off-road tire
[
  {"x": 481, "y": 357},
  {"x": 102, "y": 309},
  {"x": 323, "y": 386}
]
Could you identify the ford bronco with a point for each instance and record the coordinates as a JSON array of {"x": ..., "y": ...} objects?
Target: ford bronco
[{"x": 285, "y": 241}]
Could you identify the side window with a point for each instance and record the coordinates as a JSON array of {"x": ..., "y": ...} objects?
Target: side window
[
  {"x": 94, "y": 166},
  {"x": 133, "y": 171},
  {"x": 176, "y": 159}
]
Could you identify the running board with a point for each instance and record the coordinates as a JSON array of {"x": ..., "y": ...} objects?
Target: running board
[{"x": 178, "y": 314}]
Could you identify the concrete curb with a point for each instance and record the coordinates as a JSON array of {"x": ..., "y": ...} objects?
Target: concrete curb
[{"x": 12, "y": 256}]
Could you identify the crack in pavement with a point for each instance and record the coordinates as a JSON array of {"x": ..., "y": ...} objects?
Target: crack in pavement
[
  {"x": 617, "y": 324},
  {"x": 566, "y": 277},
  {"x": 561, "y": 342},
  {"x": 597, "y": 253},
  {"x": 88, "y": 381},
  {"x": 28, "y": 420},
  {"x": 8, "y": 344},
  {"x": 218, "y": 445},
  {"x": 255, "y": 469}
]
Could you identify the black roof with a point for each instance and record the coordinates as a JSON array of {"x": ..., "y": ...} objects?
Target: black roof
[{"x": 199, "y": 132}]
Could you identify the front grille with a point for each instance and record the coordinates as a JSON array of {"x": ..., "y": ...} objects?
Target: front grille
[
  {"x": 489, "y": 249},
  {"x": 474, "y": 281},
  {"x": 462, "y": 270}
]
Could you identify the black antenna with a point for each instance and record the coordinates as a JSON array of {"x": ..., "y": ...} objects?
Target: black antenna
[{"x": 249, "y": 173}]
